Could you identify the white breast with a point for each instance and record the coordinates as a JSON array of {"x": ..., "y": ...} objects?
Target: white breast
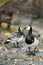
[{"x": 36, "y": 42}]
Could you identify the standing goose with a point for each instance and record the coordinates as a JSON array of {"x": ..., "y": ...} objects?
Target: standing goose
[
  {"x": 15, "y": 37},
  {"x": 30, "y": 39}
]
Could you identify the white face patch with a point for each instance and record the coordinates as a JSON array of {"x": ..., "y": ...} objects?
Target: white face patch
[
  {"x": 20, "y": 28},
  {"x": 28, "y": 28}
]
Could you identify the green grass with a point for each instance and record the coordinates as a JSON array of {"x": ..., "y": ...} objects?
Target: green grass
[
  {"x": 9, "y": 30},
  {"x": 1, "y": 1}
]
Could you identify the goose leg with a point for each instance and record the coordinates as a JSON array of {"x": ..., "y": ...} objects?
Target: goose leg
[
  {"x": 14, "y": 44},
  {"x": 35, "y": 49},
  {"x": 29, "y": 49},
  {"x": 17, "y": 44}
]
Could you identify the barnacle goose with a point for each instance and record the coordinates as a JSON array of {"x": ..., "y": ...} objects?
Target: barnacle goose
[
  {"x": 15, "y": 37},
  {"x": 30, "y": 39}
]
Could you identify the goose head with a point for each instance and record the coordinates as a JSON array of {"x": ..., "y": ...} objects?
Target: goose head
[
  {"x": 29, "y": 29},
  {"x": 20, "y": 29}
]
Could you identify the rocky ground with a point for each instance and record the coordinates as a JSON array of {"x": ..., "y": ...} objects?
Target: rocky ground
[{"x": 10, "y": 55}]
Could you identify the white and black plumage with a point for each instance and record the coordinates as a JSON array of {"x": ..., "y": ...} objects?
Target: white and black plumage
[
  {"x": 26, "y": 30},
  {"x": 15, "y": 37},
  {"x": 30, "y": 39},
  {"x": 29, "y": 30}
]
